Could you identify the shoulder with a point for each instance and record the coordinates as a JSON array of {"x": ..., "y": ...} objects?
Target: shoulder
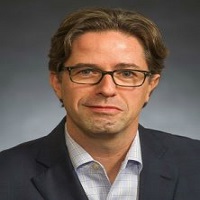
[
  {"x": 25, "y": 161},
  {"x": 18, "y": 166},
  {"x": 32, "y": 148},
  {"x": 180, "y": 147},
  {"x": 20, "y": 156},
  {"x": 172, "y": 138}
]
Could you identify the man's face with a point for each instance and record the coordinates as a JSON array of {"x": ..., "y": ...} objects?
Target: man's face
[{"x": 104, "y": 109}]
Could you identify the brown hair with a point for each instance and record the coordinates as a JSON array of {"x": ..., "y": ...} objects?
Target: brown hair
[{"x": 104, "y": 19}]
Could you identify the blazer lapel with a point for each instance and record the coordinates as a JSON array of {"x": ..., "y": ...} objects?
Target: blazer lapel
[
  {"x": 159, "y": 175},
  {"x": 57, "y": 178},
  {"x": 59, "y": 183}
]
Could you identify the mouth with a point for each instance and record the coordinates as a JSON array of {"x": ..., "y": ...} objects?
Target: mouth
[{"x": 108, "y": 109}]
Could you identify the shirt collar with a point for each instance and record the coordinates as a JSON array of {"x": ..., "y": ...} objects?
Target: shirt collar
[
  {"x": 80, "y": 157},
  {"x": 134, "y": 155}
]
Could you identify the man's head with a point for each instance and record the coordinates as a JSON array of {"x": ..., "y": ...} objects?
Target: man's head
[
  {"x": 104, "y": 64},
  {"x": 98, "y": 20}
]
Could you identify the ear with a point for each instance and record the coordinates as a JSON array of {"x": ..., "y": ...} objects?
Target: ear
[
  {"x": 55, "y": 82},
  {"x": 153, "y": 83}
]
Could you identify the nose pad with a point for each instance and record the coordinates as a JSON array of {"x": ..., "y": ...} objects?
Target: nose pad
[
  {"x": 104, "y": 75},
  {"x": 109, "y": 76},
  {"x": 106, "y": 86}
]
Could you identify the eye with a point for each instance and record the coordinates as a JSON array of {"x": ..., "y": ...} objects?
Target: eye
[
  {"x": 127, "y": 73},
  {"x": 84, "y": 71}
]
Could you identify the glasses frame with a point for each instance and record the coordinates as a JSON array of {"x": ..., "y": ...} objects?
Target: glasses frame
[{"x": 103, "y": 73}]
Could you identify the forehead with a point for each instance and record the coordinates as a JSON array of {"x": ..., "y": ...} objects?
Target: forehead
[
  {"x": 101, "y": 39},
  {"x": 107, "y": 47}
]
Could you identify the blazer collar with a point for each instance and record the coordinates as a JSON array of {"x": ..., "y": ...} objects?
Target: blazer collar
[
  {"x": 159, "y": 175},
  {"x": 57, "y": 178}
]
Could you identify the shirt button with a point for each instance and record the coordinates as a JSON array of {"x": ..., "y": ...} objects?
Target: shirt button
[{"x": 95, "y": 166}]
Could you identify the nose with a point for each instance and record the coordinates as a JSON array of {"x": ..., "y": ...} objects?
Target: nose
[{"x": 106, "y": 87}]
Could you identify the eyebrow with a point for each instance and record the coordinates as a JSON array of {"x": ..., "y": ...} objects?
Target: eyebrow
[
  {"x": 117, "y": 66},
  {"x": 126, "y": 65},
  {"x": 86, "y": 65}
]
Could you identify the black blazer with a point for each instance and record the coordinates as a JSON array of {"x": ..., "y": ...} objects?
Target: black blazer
[{"x": 41, "y": 169}]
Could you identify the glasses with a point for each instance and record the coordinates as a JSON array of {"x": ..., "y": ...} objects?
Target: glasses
[{"x": 121, "y": 77}]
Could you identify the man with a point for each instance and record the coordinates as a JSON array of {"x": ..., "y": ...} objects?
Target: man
[{"x": 104, "y": 65}]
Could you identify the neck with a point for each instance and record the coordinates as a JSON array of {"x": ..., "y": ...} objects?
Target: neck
[{"x": 109, "y": 151}]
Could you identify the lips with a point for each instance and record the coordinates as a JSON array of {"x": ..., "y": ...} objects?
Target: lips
[{"x": 104, "y": 108}]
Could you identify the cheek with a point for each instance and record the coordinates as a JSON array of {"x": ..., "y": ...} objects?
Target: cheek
[
  {"x": 137, "y": 98},
  {"x": 72, "y": 95}
]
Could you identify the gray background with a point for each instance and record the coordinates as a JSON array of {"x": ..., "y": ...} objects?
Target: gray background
[{"x": 28, "y": 106}]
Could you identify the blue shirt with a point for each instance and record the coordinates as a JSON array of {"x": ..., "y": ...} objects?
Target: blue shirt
[{"x": 93, "y": 177}]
